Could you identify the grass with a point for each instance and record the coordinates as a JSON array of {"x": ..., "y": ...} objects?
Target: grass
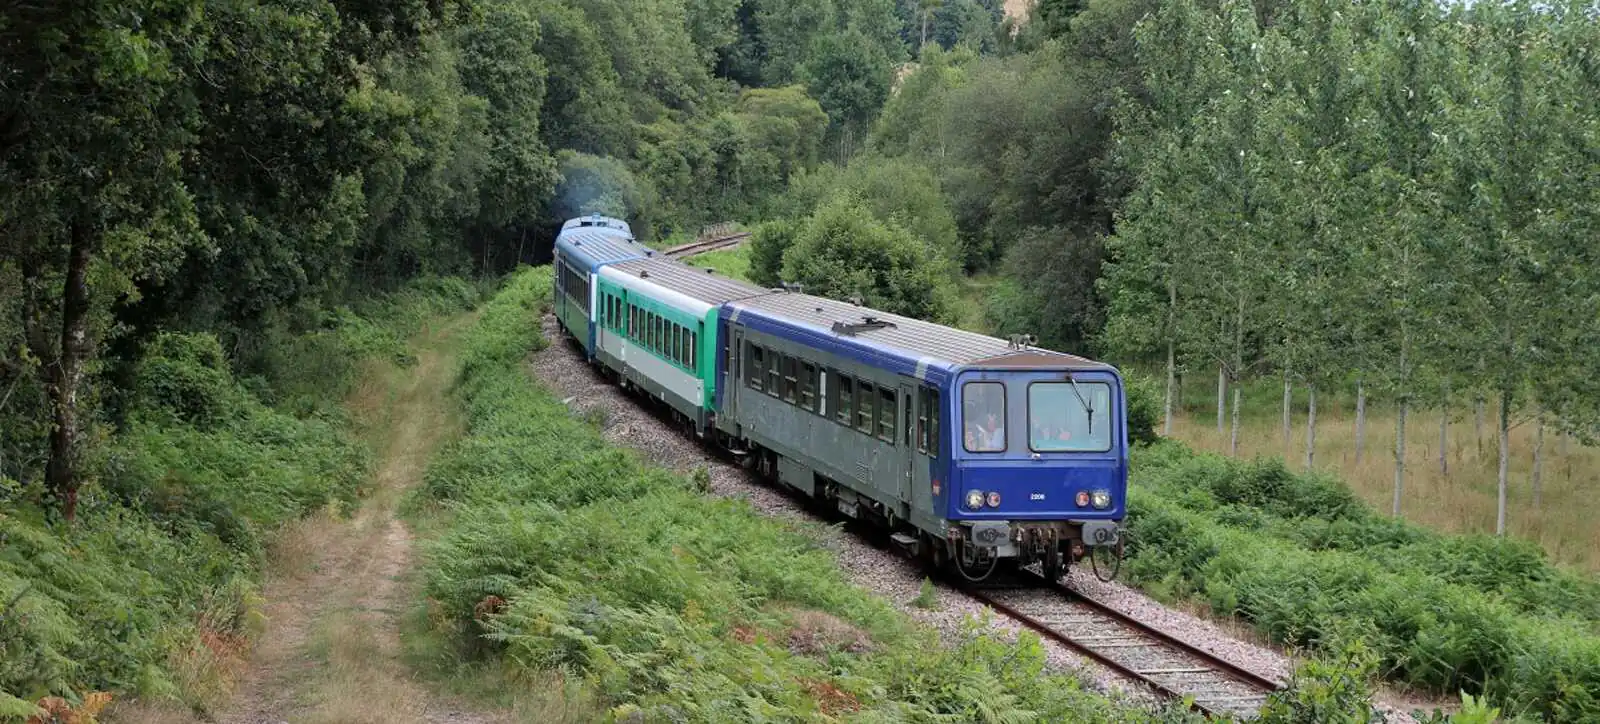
[
  {"x": 972, "y": 303},
  {"x": 1462, "y": 500},
  {"x": 732, "y": 263}
]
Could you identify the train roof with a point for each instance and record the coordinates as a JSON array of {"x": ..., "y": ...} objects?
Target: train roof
[
  {"x": 597, "y": 220},
  {"x": 594, "y": 246},
  {"x": 913, "y": 342},
  {"x": 696, "y": 282}
]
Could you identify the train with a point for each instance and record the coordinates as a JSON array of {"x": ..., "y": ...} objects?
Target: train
[{"x": 975, "y": 453}]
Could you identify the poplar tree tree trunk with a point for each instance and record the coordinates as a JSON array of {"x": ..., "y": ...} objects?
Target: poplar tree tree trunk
[
  {"x": 1538, "y": 463},
  {"x": 1505, "y": 459},
  {"x": 1172, "y": 384},
  {"x": 1361, "y": 419},
  {"x": 1477, "y": 422},
  {"x": 1233, "y": 439},
  {"x": 1288, "y": 398},
  {"x": 1311, "y": 425},
  {"x": 1444, "y": 441},
  {"x": 1172, "y": 350},
  {"x": 1222, "y": 395},
  {"x": 1399, "y": 453},
  {"x": 1238, "y": 370}
]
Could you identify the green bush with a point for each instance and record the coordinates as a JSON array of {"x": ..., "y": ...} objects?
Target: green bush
[{"x": 558, "y": 552}]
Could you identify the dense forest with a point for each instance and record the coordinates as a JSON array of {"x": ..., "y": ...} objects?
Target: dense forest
[{"x": 238, "y": 168}]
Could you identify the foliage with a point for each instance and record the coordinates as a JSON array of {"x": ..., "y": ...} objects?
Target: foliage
[
  {"x": 160, "y": 566},
  {"x": 768, "y": 243},
  {"x": 1307, "y": 564},
  {"x": 843, "y": 251},
  {"x": 559, "y": 552}
]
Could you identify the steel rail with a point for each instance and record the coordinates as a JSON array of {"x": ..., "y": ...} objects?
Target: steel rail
[
  {"x": 699, "y": 247},
  {"x": 1136, "y": 628}
]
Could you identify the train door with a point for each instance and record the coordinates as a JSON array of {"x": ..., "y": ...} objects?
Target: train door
[
  {"x": 908, "y": 457},
  {"x": 734, "y": 384}
]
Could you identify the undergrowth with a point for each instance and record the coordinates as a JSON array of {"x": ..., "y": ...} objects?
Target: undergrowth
[
  {"x": 1308, "y": 563},
  {"x": 556, "y": 553},
  {"x": 152, "y": 591}
]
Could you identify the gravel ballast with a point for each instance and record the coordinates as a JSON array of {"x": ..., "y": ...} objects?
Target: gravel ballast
[{"x": 627, "y": 423}]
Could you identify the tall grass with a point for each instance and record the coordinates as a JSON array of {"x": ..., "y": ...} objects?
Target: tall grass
[{"x": 558, "y": 553}]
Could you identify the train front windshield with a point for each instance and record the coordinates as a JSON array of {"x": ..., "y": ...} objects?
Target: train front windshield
[
  {"x": 1038, "y": 412},
  {"x": 1069, "y": 417}
]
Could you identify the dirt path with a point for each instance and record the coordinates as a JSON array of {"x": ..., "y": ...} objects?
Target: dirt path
[{"x": 331, "y": 651}]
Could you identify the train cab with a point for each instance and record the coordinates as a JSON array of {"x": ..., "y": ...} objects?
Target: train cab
[{"x": 1039, "y": 463}]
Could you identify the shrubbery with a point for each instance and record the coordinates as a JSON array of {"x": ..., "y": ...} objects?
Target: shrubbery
[
  {"x": 560, "y": 552},
  {"x": 1307, "y": 563},
  {"x": 156, "y": 578}
]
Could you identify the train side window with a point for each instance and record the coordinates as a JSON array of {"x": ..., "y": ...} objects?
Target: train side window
[
  {"x": 693, "y": 340},
  {"x": 886, "y": 413},
  {"x": 808, "y": 386},
  {"x": 774, "y": 380},
  {"x": 864, "y": 406},
  {"x": 933, "y": 423},
  {"x": 791, "y": 382},
  {"x": 677, "y": 344},
  {"x": 843, "y": 401},
  {"x": 924, "y": 411},
  {"x": 756, "y": 369}
]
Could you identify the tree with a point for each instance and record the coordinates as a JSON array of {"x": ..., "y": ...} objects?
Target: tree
[
  {"x": 849, "y": 76},
  {"x": 91, "y": 187},
  {"x": 842, "y": 251}
]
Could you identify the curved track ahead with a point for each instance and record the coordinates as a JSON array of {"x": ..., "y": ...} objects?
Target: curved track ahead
[
  {"x": 1133, "y": 649},
  {"x": 701, "y": 247}
]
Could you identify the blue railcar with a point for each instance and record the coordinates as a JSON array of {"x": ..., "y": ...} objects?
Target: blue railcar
[
  {"x": 584, "y": 245},
  {"x": 976, "y": 450}
]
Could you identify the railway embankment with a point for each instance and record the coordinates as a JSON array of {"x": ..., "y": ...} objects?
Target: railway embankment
[{"x": 554, "y": 550}]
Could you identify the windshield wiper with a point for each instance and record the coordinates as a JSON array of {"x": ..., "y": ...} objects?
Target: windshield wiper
[{"x": 1087, "y": 408}]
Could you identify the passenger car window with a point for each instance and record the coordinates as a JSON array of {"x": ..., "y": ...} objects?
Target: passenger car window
[
  {"x": 808, "y": 386},
  {"x": 845, "y": 401},
  {"x": 773, "y": 380},
  {"x": 983, "y": 416},
  {"x": 864, "y": 407},
  {"x": 756, "y": 367},
  {"x": 886, "y": 408},
  {"x": 1068, "y": 417}
]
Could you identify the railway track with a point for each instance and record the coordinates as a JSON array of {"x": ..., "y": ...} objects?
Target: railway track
[
  {"x": 700, "y": 247},
  {"x": 1133, "y": 649}
]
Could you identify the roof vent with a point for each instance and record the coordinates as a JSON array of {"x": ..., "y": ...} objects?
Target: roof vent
[
  {"x": 1022, "y": 341},
  {"x": 867, "y": 324},
  {"x": 855, "y": 300},
  {"x": 577, "y": 243},
  {"x": 709, "y": 270},
  {"x": 644, "y": 273},
  {"x": 796, "y": 287}
]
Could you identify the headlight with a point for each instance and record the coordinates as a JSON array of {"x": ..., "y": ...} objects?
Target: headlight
[
  {"x": 974, "y": 499},
  {"x": 994, "y": 499},
  {"x": 1102, "y": 499},
  {"x": 1083, "y": 499}
]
